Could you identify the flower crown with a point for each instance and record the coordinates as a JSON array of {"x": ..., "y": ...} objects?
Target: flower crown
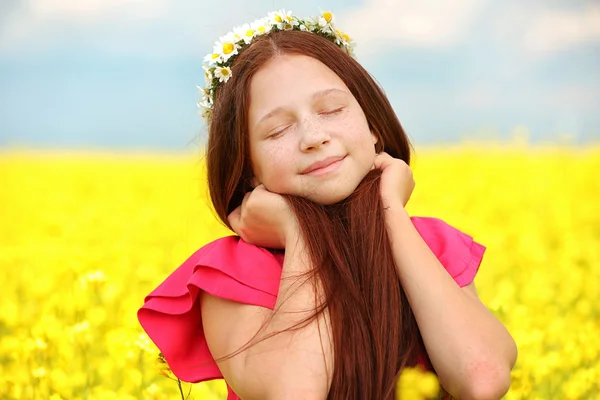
[{"x": 217, "y": 64}]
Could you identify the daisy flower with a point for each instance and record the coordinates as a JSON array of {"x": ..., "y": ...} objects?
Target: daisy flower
[
  {"x": 261, "y": 26},
  {"x": 282, "y": 19},
  {"x": 212, "y": 58},
  {"x": 310, "y": 24},
  {"x": 226, "y": 47},
  {"x": 206, "y": 100},
  {"x": 237, "y": 37},
  {"x": 223, "y": 73},
  {"x": 342, "y": 38},
  {"x": 326, "y": 21},
  {"x": 245, "y": 32},
  {"x": 206, "y": 113},
  {"x": 202, "y": 104},
  {"x": 350, "y": 50},
  {"x": 208, "y": 75}
]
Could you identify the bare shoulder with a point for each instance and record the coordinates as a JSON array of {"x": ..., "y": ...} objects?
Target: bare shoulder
[
  {"x": 220, "y": 317},
  {"x": 471, "y": 290},
  {"x": 228, "y": 326}
]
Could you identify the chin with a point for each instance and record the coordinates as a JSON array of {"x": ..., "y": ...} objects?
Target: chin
[{"x": 330, "y": 196}]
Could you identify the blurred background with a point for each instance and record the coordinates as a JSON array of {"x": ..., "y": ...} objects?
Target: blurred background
[{"x": 123, "y": 73}]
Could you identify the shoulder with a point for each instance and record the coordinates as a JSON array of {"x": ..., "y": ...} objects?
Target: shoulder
[
  {"x": 457, "y": 251},
  {"x": 231, "y": 272}
]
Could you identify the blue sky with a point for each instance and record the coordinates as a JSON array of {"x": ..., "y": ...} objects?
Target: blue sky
[{"x": 123, "y": 73}]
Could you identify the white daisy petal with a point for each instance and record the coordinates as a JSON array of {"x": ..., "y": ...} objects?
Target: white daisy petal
[
  {"x": 203, "y": 104},
  {"x": 223, "y": 73},
  {"x": 281, "y": 19},
  {"x": 212, "y": 58},
  {"x": 236, "y": 34},
  {"x": 246, "y": 33},
  {"x": 227, "y": 46},
  {"x": 261, "y": 26},
  {"x": 326, "y": 21},
  {"x": 208, "y": 75}
]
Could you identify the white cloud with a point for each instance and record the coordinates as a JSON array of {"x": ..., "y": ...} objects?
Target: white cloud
[
  {"x": 537, "y": 30},
  {"x": 554, "y": 30},
  {"x": 425, "y": 23},
  {"x": 40, "y": 22},
  {"x": 85, "y": 10}
]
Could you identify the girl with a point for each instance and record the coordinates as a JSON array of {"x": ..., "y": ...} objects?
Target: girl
[{"x": 330, "y": 289}]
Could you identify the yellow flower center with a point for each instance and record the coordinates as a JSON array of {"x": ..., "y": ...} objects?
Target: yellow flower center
[
  {"x": 261, "y": 29},
  {"x": 227, "y": 48},
  {"x": 224, "y": 72},
  {"x": 215, "y": 56},
  {"x": 346, "y": 37},
  {"x": 327, "y": 15},
  {"x": 250, "y": 32},
  {"x": 278, "y": 18}
]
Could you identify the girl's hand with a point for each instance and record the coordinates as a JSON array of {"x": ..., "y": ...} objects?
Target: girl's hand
[
  {"x": 397, "y": 181},
  {"x": 264, "y": 219}
]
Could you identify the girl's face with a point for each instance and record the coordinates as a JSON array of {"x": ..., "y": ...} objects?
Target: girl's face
[{"x": 308, "y": 135}]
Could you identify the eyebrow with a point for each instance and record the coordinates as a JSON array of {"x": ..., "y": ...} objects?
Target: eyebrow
[{"x": 314, "y": 96}]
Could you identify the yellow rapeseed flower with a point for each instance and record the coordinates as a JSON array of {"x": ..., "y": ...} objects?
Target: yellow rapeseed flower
[{"x": 75, "y": 275}]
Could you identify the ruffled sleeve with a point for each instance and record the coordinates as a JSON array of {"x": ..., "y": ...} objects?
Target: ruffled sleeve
[
  {"x": 456, "y": 251},
  {"x": 228, "y": 268},
  {"x": 235, "y": 270}
]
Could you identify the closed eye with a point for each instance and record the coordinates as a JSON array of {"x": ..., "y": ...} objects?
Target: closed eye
[
  {"x": 278, "y": 133},
  {"x": 332, "y": 112}
]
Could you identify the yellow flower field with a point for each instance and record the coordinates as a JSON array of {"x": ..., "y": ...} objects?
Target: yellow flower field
[{"x": 85, "y": 236}]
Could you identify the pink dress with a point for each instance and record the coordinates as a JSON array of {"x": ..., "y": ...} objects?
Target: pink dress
[{"x": 235, "y": 270}]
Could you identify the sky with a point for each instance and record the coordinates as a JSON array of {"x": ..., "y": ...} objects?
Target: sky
[{"x": 122, "y": 74}]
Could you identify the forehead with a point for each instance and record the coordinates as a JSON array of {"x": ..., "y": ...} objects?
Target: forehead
[{"x": 287, "y": 80}]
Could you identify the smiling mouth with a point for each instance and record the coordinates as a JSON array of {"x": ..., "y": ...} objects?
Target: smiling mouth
[{"x": 323, "y": 167}]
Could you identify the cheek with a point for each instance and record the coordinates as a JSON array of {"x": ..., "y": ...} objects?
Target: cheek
[
  {"x": 355, "y": 127},
  {"x": 360, "y": 143},
  {"x": 359, "y": 136},
  {"x": 273, "y": 165}
]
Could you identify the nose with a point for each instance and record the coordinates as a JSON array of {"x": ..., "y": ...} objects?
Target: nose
[{"x": 313, "y": 137}]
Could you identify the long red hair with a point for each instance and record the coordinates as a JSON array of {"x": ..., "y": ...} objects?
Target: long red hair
[{"x": 374, "y": 332}]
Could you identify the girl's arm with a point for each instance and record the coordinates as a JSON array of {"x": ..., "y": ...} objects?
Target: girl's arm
[
  {"x": 471, "y": 351},
  {"x": 289, "y": 365}
]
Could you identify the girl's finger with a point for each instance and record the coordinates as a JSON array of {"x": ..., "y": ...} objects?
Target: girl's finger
[
  {"x": 382, "y": 160},
  {"x": 234, "y": 218},
  {"x": 245, "y": 200}
]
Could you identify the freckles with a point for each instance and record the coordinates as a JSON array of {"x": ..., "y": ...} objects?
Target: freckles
[
  {"x": 353, "y": 127},
  {"x": 353, "y": 132},
  {"x": 276, "y": 161}
]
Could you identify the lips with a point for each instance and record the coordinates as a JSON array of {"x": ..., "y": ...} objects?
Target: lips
[{"x": 321, "y": 164}]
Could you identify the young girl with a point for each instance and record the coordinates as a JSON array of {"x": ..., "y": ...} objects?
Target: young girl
[{"x": 330, "y": 289}]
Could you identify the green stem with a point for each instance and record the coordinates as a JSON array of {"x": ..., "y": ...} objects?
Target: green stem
[{"x": 180, "y": 388}]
